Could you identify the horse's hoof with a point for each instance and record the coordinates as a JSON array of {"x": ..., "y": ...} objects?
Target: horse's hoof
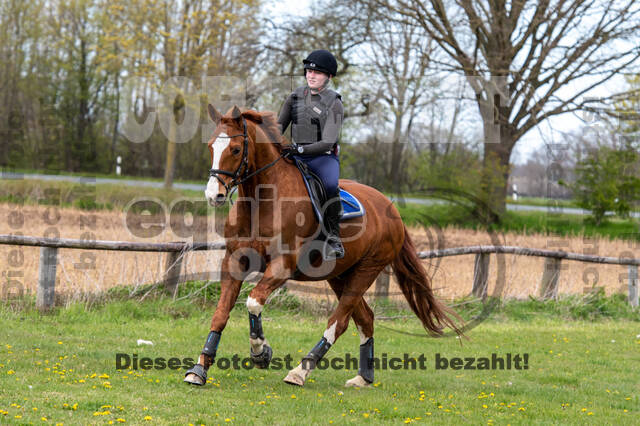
[
  {"x": 294, "y": 379},
  {"x": 357, "y": 382},
  {"x": 196, "y": 375},
  {"x": 193, "y": 380},
  {"x": 262, "y": 361},
  {"x": 297, "y": 376}
]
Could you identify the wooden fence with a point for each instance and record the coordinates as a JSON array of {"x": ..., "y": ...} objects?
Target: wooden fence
[{"x": 173, "y": 264}]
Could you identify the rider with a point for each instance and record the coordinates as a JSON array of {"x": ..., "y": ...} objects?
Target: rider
[{"x": 316, "y": 113}]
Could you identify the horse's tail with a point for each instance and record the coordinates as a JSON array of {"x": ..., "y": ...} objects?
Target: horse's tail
[{"x": 416, "y": 287}]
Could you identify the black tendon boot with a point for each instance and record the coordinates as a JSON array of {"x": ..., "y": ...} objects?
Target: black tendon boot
[{"x": 333, "y": 248}]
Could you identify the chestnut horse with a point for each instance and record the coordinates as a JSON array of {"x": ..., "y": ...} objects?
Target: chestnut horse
[{"x": 272, "y": 229}]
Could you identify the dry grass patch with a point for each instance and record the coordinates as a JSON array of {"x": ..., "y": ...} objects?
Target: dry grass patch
[{"x": 452, "y": 277}]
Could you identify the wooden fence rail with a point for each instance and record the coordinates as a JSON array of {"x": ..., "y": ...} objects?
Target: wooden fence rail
[{"x": 173, "y": 264}]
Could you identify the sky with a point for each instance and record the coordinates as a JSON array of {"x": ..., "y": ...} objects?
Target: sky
[{"x": 551, "y": 131}]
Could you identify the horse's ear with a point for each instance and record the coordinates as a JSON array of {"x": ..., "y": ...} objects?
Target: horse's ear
[
  {"x": 252, "y": 115},
  {"x": 214, "y": 114},
  {"x": 236, "y": 113}
]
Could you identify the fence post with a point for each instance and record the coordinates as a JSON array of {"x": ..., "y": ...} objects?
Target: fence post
[
  {"x": 480, "y": 275},
  {"x": 382, "y": 284},
  {"x": 633, "y": 285},
  {"x": 46, "y": 292},
  {"x": 550, "y": 275},
  {"x": 172, "y": 266}
]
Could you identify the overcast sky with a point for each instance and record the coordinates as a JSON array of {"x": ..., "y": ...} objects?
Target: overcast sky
[{"x": 550, "y": 131}]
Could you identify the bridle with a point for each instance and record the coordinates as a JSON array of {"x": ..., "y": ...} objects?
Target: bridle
[{"x": 241, "y": 174}]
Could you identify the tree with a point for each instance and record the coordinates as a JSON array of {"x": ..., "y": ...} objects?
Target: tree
[
  {"x": 399, "y": 61},
  {"x": 191, "y": 38},
  {"x": 607, "y": 180},
  {"x": 520, "y": 57},
  {"x": 338, "y": 26}
]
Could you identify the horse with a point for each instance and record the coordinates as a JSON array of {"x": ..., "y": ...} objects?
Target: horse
[{"x": 246, "y": 154}]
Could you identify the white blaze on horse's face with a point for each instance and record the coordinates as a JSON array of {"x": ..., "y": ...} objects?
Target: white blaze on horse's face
[{"x": 213, "y": 186}]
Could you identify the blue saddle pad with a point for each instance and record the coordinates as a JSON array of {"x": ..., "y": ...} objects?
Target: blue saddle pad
[{"x": 351, "y": 206}]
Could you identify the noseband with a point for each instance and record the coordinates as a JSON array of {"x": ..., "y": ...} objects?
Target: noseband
[{"x": 241, "y": 174}]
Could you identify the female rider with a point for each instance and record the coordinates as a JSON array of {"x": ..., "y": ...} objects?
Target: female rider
[{"x": 315, "y": 113}]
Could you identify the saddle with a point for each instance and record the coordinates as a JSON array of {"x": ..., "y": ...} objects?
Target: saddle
[{"x": 351, "y": 206}]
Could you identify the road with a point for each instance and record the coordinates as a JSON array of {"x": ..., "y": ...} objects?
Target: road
[{"x": 200, "y": 187}]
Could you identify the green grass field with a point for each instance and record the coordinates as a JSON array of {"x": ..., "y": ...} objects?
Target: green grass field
[
  {"x": 524, "y": 222},
  {"x": 60, "y": 368}
]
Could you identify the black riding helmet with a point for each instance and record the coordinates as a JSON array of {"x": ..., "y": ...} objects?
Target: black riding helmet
[{"x": 321, "y": 60}]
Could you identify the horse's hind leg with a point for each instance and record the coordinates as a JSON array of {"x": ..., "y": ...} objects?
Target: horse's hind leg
[
  {"x": 363, "y": 317},
  {"x": 351, "y": 295}
]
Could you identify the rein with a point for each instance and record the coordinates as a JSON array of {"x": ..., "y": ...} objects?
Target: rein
[{"x": 241, "y": 174}]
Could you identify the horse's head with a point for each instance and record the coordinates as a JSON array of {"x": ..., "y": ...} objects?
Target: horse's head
[{"x": 229, "y": 147}]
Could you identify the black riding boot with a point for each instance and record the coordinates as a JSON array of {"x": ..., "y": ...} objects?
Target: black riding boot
[{"x": 333, "y": 248}]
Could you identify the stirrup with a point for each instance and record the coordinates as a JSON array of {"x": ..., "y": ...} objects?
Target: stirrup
[{"x": 333, "y": 249}]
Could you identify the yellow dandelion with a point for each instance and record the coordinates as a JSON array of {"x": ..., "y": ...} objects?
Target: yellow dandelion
[
  {"x": 147, "y": 418},
  {"x": 120, "y": 420},
  {"x": 365, "y": 415},
  {"x": 59, "y": 343},
  {"x": 590, "y": 413},
  {"x": 44, "y": 419},
  {"x": 293, "y": 396}
]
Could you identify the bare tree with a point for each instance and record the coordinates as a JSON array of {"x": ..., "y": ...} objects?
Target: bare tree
[
  {"x": 399, "y": 60},
  {"x": 525, "y": 60},
  {"x": 340, "y": 27}
]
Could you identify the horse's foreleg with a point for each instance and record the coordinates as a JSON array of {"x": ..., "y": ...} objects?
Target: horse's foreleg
[
  {"x": 229, "y": 290},
  {"x": 274, "y": 276}
]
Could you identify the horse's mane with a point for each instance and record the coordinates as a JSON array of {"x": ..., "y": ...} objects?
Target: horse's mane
[
  {"x": 267, "y": 122},
  {"x": 271, "y": 128}
]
